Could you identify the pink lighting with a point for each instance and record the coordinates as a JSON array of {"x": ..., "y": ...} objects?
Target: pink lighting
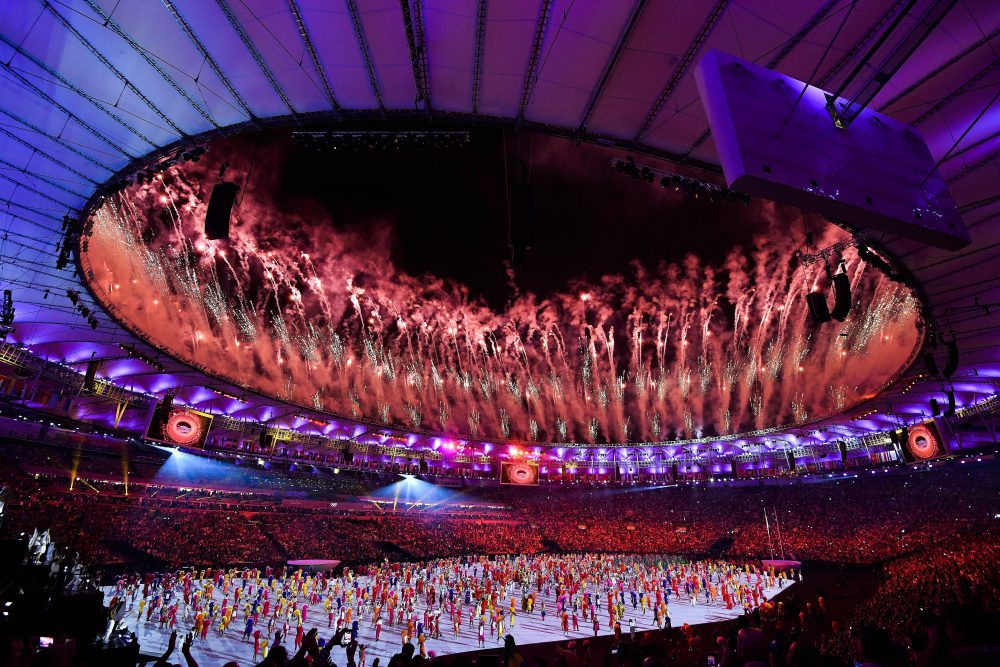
[{"x": 648, "y": 354}]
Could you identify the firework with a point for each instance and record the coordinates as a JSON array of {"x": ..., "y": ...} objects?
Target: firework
[{"x": 679, "y": 349}]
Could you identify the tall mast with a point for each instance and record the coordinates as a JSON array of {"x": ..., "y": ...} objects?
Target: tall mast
[
  {"x": 777, "y": 527},
  {"x": 767, "y": 525}
]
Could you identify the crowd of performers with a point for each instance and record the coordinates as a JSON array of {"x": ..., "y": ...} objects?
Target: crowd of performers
[{"x": 480, "y": 599}]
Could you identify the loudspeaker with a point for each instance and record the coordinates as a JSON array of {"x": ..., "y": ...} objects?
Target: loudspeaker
[
  {"x": 935, "y": 407},
  {"x": 842, "y": 448},
  {"x": 424, "y": 466},
  {"x": 818, "y": 309},
  {"x": 88, "y": 379},
  {"x": 952, "y": 364},
  {"x": 220, "y": 207},
  {"x": 842, "y": 292},
  {"x": 790, "y": 459},
  {"x": 950, "y": 412},
  {"x": 522, "y": 218},
  {"x": 931, "y": 364},
  {"x": 265, "y": 439}
]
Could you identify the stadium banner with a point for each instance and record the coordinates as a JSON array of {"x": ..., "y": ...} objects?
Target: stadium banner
[
  {"x": 519, "y": 474},
  {"x": 924, "y": 442},
  {"x": 178, "y": 426}
]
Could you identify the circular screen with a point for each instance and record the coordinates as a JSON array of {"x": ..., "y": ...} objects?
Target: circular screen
[
  {"x": 183, "y": 427},
  {"x": 923, "y": 442},
  {"x": 522, "y": 474}
]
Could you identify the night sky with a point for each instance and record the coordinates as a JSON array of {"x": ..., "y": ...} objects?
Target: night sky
[{"x": 448, "y": 208}]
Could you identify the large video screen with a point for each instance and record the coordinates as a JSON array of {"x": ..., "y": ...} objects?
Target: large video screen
[
  {"x": 923, "y": 442},
  {"x": 519, "y": 474},
  {"x": 178, "y": 426}
]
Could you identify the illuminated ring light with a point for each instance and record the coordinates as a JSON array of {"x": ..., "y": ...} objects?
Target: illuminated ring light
[
  {"x": 183, "y": 427},
  {"x": 922, "y": 442},
  {"x": 520, "y": 473}
]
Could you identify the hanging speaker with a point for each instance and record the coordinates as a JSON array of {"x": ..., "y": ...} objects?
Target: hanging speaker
[
  {"x": 842, "y": 448},
  {"x": 952, "y": 364},
  {"x": 935, "y": 407},
  {"x": 220, "y": 208},
  {"x": 931, "y": 364},
  {"x": 818, "y": 309},
  {"x": 842, "y": 297},
  {"x": 790, "y": 460},
  {"x": 950, "y": 412},
  {"x": 88, "y": 379}
]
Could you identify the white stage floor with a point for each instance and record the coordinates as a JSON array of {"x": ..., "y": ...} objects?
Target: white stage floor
[{"x": 529, "y": 629}]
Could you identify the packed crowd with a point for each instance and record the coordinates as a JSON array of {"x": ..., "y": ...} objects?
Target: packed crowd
[
  {"x": 860, "y": 520},
  {"x": 934, "y": 605},
  {"x": 863, "y": 519},
  {"x": 940, "y": 605}
]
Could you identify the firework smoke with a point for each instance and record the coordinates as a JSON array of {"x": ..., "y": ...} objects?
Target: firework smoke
[{"x": 293, "y": 307}]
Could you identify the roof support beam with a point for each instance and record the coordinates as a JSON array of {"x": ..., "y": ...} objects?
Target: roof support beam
[
  {"x": 293, "y": 5},
  {"x": 37, "y": 192},
  {"x": 43, "y": 213},
  {"x": 976, "y": 205},
  {"x": 974, "y": 145},
  {"x": 421, "y": 39},
  {"x": 531, "y": 73},
  {"x": 961, "y": 90},
  {"x": 974, "y": 167},
  {"x": 821, "y": 14},
  {"x": 48, "y": 157},
  {"x": 114, "y": 70},
  {"x": 413, "y": 26},
  {"x": 359, "y": 34},
  {"x": 69, "y": 84},
  {"x": 42, "y": 177},
  {"x": 941, "y": 68},
  {"x": 806, "y": 28},
  {"x": 477, "y": 52},
  {"x": 144, "y": 54},
  {"x": 845, "y": 109},
  {"x": 62, "y": 142},
  {"x": 193, "y": 38},
  {"x": 853, "y": 52},
  {"x": 256, "y": 54},
  {"x": 84, "y": 124},
  {"x": 609, "y": 66},
  {"x": 718, "y": 9}
]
